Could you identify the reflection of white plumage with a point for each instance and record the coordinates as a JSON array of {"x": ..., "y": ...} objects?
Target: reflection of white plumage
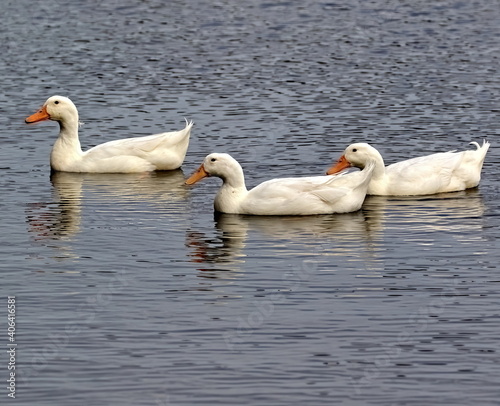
[
  {"x": 165, "y": 151},
  {"x": 157, "y": 193},
  {"x": 287, "y": 196},
  {"x": 437, "y": 173}
]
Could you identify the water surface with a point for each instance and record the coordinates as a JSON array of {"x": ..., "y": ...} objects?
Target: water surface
[{"x": 132, "y": 292}]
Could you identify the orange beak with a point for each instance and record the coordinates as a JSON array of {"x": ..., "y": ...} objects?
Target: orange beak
[
  {"x": 198, "y": 175},
  {"x": 341, "y": 164},
  {"x": 40, "y": 115}
]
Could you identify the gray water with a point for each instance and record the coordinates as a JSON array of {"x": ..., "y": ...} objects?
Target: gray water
[{"x": 131, "y": 292}]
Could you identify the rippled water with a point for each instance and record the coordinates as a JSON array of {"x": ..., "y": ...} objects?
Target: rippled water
[{"x": 131, "y": 292}]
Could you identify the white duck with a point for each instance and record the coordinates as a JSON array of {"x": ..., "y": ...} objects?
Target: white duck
[
  {"x": 163, "y": 151},
  {"x": 286, "y": 196},
  {"x": 437, "y": 173}
]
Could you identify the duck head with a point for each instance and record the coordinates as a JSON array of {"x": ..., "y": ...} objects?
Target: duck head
[
  {"x": 223, "y": 166},
  {"x": 355, "y": 155},
  {"x": 56, "y": 108}
]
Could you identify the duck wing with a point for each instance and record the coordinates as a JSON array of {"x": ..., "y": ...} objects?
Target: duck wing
[
  {"x": 423, "y": 175},
  {"x": 140, "y": 146},
  {"x": 295, "y": 196}
]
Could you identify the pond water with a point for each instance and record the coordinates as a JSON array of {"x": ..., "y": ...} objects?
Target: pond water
[{"x": 130, "y": 291}]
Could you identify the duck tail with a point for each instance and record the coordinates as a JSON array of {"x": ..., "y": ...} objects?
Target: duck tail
[
  {"x": 189, "y": 123},
  {"x": 480, "y": 152},
  {"x": 485, "y": 145}
]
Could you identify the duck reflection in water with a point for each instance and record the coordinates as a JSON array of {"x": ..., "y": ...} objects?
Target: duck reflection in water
[
  {"x": 226, "y": 246},
  {"x": 357, "y": 236},
  {"x": 443, "y": 212},
  {"x": 219, "y": 254},
  {"x": 61, "y": 217}
]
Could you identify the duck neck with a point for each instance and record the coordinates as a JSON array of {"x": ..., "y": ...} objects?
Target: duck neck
[
  {"x": 379, "y": 169},
  {"x": 67, "y": 148},
  {"x": 68, "y": 133},
  {"x": 235, "y": 179},
  {"x": 232, "y": 192}
]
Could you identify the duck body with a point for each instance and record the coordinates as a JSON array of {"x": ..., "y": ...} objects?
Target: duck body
[
  {"x": 437, "y": 173},
  {"x": 164, "y": 151},
  {"x": 284, "y": 196}
]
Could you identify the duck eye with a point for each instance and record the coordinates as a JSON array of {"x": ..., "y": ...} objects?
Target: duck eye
[
  {"x": 214, "y": 159},
  {"x": 56, "y": 102},
  {"x": 354, "y": 150}
]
